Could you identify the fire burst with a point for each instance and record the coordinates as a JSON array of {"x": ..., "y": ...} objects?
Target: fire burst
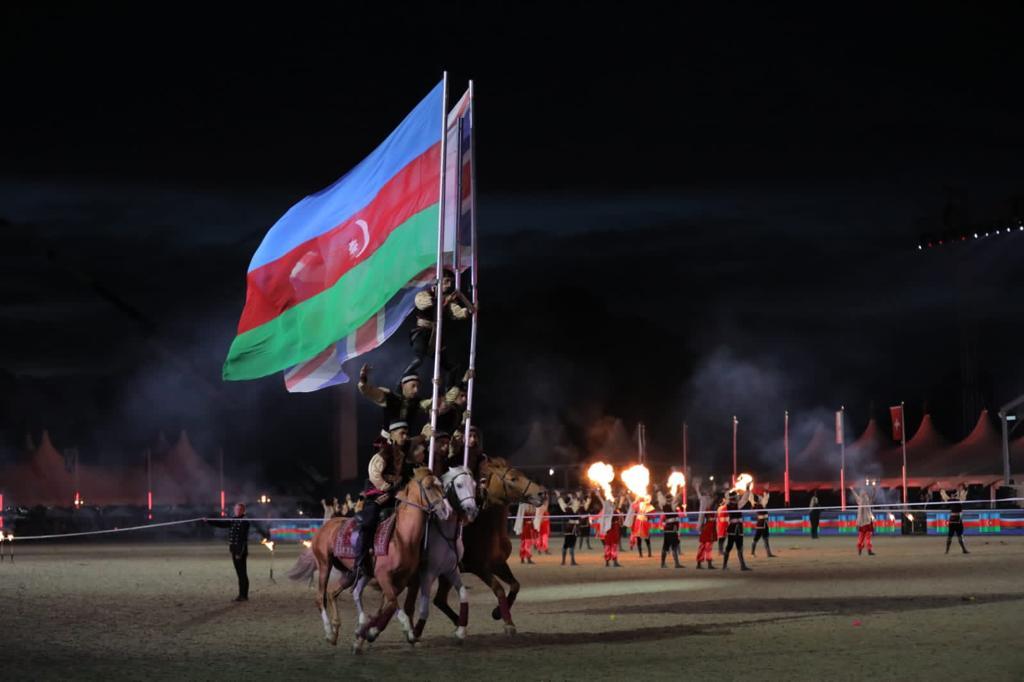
[
  {"x": 675, "y": 481},
  {"x": 307, "y": 544},
  {"x": 637, "y": 478},
  {"x": 269, "y": 544},
  {"x": 742, "y": 482},
  {"x": 602, "y": 475}
]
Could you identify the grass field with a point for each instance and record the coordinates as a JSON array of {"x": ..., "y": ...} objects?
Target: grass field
[{"x": 818, "y": 611}]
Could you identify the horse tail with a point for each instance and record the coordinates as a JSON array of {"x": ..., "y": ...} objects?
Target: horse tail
[{"x": 304, "y": 566}]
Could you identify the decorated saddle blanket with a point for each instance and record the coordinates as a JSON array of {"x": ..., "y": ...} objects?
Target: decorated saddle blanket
[{"x": 345, "y": 543}]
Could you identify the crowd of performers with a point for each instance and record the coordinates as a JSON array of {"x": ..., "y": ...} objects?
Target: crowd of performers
[
  {"x": 586, "y": 514},
  {"x": 405, "y": 416}
]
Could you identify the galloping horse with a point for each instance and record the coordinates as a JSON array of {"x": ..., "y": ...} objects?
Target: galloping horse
[
  {"x": 422, "y": 498},
  {"x": 487, "y": 545},
  {"x": 445, "y": 549}
]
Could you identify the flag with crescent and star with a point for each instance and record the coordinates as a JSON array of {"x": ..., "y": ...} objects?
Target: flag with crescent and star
[
  {"x": 325, "y": 368},
  {"x": 896, "y": 412},
  {"x": 337, "y": 257}
]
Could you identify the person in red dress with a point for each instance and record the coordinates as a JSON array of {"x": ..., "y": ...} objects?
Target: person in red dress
[
  {"x": 545, "y": 530},
  {"x": 640, "y": 531},
  {"x": 524, "y": 528},
  {"x": 706, "y": 522},
  {"x": 611, "y": 527}
]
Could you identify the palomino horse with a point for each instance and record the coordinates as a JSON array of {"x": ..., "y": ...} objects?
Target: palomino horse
[
  {"x": 422, "y": 497},
  {"x": 487, "y": 546},
  {"x": 445, "y": 549}
]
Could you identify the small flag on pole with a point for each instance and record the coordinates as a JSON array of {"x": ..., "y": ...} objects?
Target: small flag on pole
[
  {"x": 839, "y": 427},
  {"x": 896, "y": 412}
]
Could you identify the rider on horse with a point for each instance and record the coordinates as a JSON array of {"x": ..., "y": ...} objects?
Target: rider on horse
[{"x": 390, "y": 469}]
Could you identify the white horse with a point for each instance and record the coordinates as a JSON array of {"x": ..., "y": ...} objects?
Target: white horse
[{"x": 444, "y": 550}]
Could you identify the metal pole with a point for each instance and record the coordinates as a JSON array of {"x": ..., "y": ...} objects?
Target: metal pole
[
  {"x": 438, "y": 275},
  {"x": 149, "y": 485},
  {"x": 472, "y": 274},
  {"x": 785, "y": 439},
  {"x": 1006, "y": 448},
  {"x": 1004, "y": 412},
  {"x": 223, "y": 512},
  {"x": 735, "y": 422},
  {"x": 686, "y": 468},
  {"x": 842, "y": 458},
  {"x": 903, "y": 442}
]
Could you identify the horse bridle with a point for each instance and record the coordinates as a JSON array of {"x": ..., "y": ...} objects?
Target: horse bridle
[
  {"x": 431, "y": 508},
  {"x": 451, "y": 489},
  {"x": 504, "y": 483}
]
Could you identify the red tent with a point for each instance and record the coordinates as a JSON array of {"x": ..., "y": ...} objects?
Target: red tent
[
  {"x": 981, "y": 453},
  {"x": 181, "y": 476}
]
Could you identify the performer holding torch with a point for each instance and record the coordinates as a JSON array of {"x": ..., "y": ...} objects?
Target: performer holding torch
[
  {"x": 734, "y": 531},
  {"x": 865, "y": 520},
  {"x": 238, "y": 543}
]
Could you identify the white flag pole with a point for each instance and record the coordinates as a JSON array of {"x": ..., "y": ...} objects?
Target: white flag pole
[
  {"x": 473, "y": 276},
  {"x": 903, "y": 441},
  {"x": 841, "y": 425},
  {"x": 439, "y": 274}
]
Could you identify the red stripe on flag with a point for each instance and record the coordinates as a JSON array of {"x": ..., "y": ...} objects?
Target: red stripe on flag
[
  {"x": 272, "y": 289},
  {"x": 366, "y": 336},
  {"x": 310, "y": 366}
]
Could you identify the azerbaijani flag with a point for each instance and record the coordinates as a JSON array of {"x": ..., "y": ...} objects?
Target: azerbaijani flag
[
  {"x": 325, "y": 368},
  {"x": 338, "y": 256}
]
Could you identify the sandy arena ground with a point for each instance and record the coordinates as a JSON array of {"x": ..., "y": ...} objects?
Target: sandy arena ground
[{"x": 818, "y": 611}]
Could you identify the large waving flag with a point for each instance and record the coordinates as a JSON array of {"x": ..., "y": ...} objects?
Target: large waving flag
[
  {"x": 339, "y": 256},
  {"x": 325, "y": 369}
]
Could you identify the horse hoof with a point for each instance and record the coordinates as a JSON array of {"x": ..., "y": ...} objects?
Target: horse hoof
[
  {"x": 460, "y": 635},
  {"x": 357, "y": 646},
  {"x": 510, "y": 629},
  {"x": 496, "y": 613}
]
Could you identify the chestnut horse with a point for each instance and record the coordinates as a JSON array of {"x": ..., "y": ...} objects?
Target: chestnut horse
[
  {"x": 422, "y": 497},
  {"x": 486, "y": 541}
]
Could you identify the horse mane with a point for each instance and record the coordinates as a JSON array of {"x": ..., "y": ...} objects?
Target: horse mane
[
  {"x": 499, "y": 461},
  {"x": 447, "y": 476}
]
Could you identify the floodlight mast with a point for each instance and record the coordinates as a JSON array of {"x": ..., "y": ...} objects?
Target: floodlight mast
[{"x": 1004, "y": 412}]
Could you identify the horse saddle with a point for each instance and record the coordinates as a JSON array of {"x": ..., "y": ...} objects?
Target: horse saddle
[{"x": 348, "y": 538}]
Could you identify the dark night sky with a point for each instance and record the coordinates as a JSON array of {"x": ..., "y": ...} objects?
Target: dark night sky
[{"x": 687, "y": 215}]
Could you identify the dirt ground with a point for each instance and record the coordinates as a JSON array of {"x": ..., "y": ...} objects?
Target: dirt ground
[{"x": 818, "y": 611}]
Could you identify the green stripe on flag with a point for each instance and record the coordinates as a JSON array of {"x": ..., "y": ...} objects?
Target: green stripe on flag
[{"x": 301, "y": 332}]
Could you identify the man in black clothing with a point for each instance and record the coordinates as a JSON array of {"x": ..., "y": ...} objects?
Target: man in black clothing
[
  {"x": 407, "y": 406},
  {"x": 670, "y": 531},
  {"x": 815, "y": 515},
  {"x": 238, "y": 543}
]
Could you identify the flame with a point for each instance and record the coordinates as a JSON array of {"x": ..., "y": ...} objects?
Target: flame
[
  {"x": 307, "y": 544},
  {"x": 675, "y": 480},
  {"x": 637, "y": 478},
  {"x": 741, "y": 483},
  {"x": 268, "y": 543},
  {"x": 602, "y": 474},
  {"x": 910, "y": 517}
]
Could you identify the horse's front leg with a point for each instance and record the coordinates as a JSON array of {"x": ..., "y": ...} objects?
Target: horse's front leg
[
  {"x": 502, "y": 612},
  {"x": 441, "y": 599},
  {"x": 456, "y": 580},
  {"x": 387, "y": 608},
  {"x": 505, "y": 573},
  {"x": 426, "y": 581},
  {"x": 404, "y": 615}
]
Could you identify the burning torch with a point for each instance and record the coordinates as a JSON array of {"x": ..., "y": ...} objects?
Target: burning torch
[
  {"x": 269, "y": 544},
  {"x": 602, "y": 475}
]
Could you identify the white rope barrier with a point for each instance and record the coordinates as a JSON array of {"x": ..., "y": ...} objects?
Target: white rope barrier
[{"x": 890, "y": 508}]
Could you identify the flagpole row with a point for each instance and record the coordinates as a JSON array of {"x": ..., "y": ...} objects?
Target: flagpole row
[{"x": 439, "y": 275}]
